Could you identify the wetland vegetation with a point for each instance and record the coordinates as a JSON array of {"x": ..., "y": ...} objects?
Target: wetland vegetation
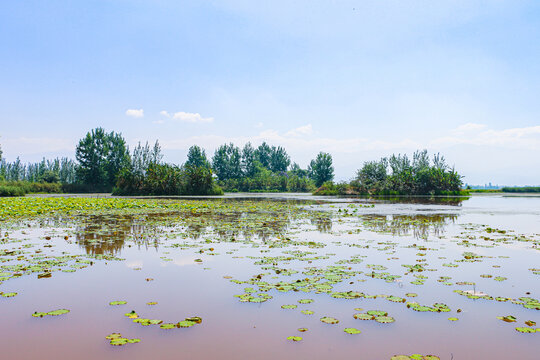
[{"x": 288, "y": 274}]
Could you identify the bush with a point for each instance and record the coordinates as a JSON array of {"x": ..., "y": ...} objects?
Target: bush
[
  {"x": 164, "y": 179},
  {"x": 8, "y": 190}
]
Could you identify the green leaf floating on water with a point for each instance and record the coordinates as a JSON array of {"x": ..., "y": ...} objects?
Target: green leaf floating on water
[
  {"x": 9, "y": 294},
  {"x": 508, "y": 318},
  {"x": 362, "y": 316},
  {"x": 294, "y": 338},
  {"x": 307, "y": 312},
  {"x": 116, "y": 339},
  {"x": 168, "y": 326},
  {"x": 352, "y": 331},
  {"x": 289, "y": 306},
  {"x": 52, "y": 313},
  {"x": 384, "y": 319},
  {"x": 377, "y": 313},
  {"x": 415, "y": 357},
  {"x": 305, "y": 301},
  {"x": 118, "y": 303},
  {"x": 527, "y": 330},
  {"x": 329, "y": 320},
  {"x": 39, "y": 314},
  {"x": 186, "y": 323},
  {"x": 453, "y": 319}
]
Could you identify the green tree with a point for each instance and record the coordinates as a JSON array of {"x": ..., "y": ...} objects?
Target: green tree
[
  {"x": 372, "y": 173},
  {"x": 197, "y": 158},
  {"x": 227, "y": 163},
  {"x": 321, "y": 169},
  {"x": 249, "y": 160},
  {"x": 263, "y": 154},
  {"x": 279, "y": 159},
  {"x": 49, "y": 176},
  {"x": 298, "y": 171},
  {"x": 101, "y": 156}
]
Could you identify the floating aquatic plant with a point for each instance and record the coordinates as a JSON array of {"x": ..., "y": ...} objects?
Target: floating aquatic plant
[
  {"x": 294, "y": 338},
  {"x": 329, "y": 320},
  {"x": 118, "y": 303},
  {"x": 117, "y": 339}
]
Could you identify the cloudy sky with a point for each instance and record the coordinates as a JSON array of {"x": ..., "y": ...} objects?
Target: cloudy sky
[{"x": 358, "y": 79}]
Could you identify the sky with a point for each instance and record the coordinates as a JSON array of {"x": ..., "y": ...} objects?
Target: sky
[{"x": 358, "y": 79}]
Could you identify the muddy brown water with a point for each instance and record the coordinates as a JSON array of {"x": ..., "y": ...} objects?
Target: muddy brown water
[{"x": 234, "y": 330}]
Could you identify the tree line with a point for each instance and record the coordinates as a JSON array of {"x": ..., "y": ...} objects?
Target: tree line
[{"x": 104, "y": 163}]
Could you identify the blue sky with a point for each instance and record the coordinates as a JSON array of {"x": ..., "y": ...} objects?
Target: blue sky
[{"x": 359, "y": 79}]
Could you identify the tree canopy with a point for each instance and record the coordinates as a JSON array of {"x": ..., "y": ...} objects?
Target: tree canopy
[
  {"x": 101, "y": 156},
  {"x": 321, "y": 169}
]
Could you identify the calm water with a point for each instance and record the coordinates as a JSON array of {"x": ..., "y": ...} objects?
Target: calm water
[{"x": 298, "y": 237}]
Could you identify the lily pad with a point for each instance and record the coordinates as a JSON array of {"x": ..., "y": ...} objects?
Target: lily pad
[
  {"x": 289, "y": 306},
  {"x": 168, "y": 326},
  {"x": 329, "y": 320},
  {"x": 362, "y": 316},
  {"x": 294, "y": 338},
  {"x": 118, "y": 302},
  {"x": 377, "y": 313},
  {"x": 384, "y": 319},
  {"x": 526, "y": 330},
  {"x": 58, "y": 312},
  {"x": 351, "y": 331},
  {"x": 186, "y": 324}
]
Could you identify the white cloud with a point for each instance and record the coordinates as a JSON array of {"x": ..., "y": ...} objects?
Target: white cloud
[
  {"x": 468, "y": 127},
  {"x": 165, "y": 113},
  {"x": 192, "y": 117},
  {"x": 300, "y": 131},
  {"x": 527, "y": 138},
  {"x": 135, "y": 113}
]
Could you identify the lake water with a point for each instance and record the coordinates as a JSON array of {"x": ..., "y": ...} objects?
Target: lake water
[{"x": 235, "y": 261}]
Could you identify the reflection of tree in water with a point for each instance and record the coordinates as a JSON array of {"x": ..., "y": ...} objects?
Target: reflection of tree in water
[
  {"x": 251, "y": 226},
  {"x": 107, "y": 234},
  {"x": 322, "y": 221},
  {"x": 421, "y": 226},
  {"x": 424, "y": 200}
]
